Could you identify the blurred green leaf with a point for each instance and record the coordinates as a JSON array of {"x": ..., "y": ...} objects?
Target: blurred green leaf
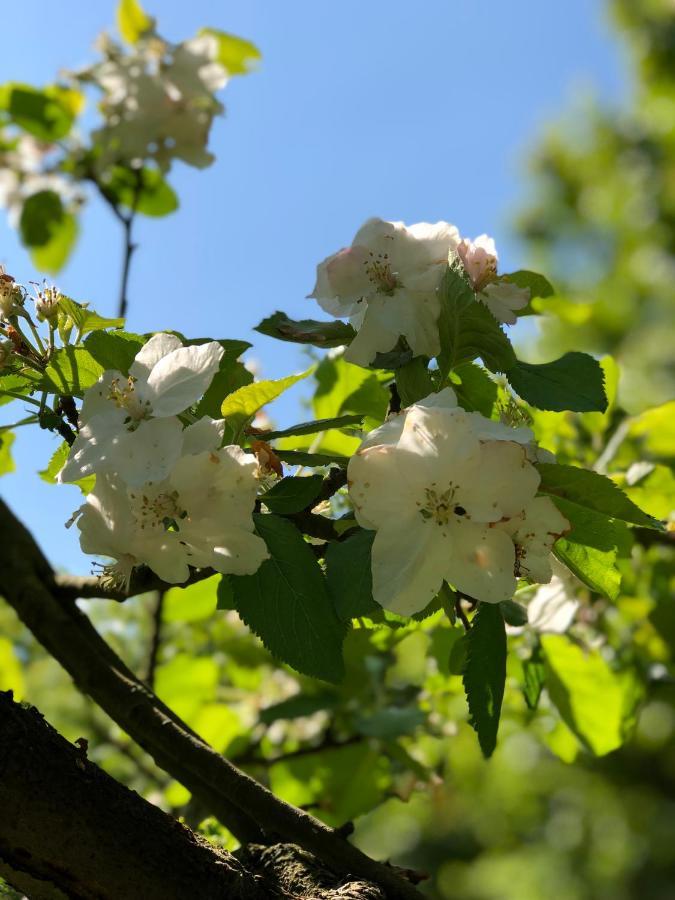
[
  {"x": 538, "y": 286},
  {"x": 48, "y": 230},
  {"x": 485, "y": 674},
  {"x": 192, "y": 603},
  {"x": 534, "y": 678},
  {"x": 513, "y": 613},
  {"x": 6, "y": 461},
  {"x": 132, "y": 20},
  {"x": 235, "y": 54},
  {"x": 52, "y": 256},
  {"x": 287, "y": 605},
  {"x": 595, "y": 702},
  {"x": 46, "y": 113},
  {"x": 573, "y": 382},
  {"x": 143, "y": 190}
]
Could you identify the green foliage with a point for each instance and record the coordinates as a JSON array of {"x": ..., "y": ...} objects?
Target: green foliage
[
  {"x": 74, "y": 369},
  {"x": 592, "y": 491},
  {"x": 241, "y": 405},
  {"x": 534, "y": 677},
  {"x": 413, "y": 381},
  {"x": 6, "y": 461},
  {"x": 145, "y": 190},
  {"x": 193, "y": 603},
  {"x": 290, "y": 495},
  {"x": 306, "y": 331},
  {"x": 314, "y": 427},
  {"x": 132, "y": 20},
  {"x": 476, "y": 391},
  {"x": 286, "y": 603},
  {"x": 575, "y": 381},
  {"x": 84, "y": 319},
  {"x": 48, "y": 113},
  {"x": 48, "y": 230},
  {"x": 595, "y": 702},
  {"x": 348, "y": 574},
  {"x": 468, "y": 330},
  {"x": 536, "y": 284},
  {"x": 485, "y": 673},
  {"x": 235, "y": 54},
  {"x": 513, "y": 613}
]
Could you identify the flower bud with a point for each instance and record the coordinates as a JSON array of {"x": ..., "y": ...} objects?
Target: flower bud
[
  {"x": 479, "y": 258},
  {"x": 10, "y": 296}
]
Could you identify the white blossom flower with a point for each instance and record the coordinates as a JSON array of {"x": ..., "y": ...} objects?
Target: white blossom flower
[
  {"x": 434, "y": 483},
  {"x": 502, "y": 298},
  {"x": 200, "y": 515},
  {"x": 128, "y": 425},
  {"x": 158, "y": 101},
  {"x": 554, "y": 605},
  {"x": 534, "y": 531},
  {"x": 386, "y": 284}
]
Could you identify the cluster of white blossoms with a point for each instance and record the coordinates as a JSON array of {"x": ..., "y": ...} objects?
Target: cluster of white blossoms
[
  {"x": 158, "y": 100},
  {"x": 387, "y": 285},
  {"x": 452, "y": 496},
  {"x": 166, "y": 496}
]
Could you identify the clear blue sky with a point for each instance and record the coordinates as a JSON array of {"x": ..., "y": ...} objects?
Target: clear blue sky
[{"x": 413, "y": 111}]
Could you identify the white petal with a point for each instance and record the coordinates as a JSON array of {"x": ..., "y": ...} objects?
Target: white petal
[
  {"x": 92, "y": 447},
  {"x": 179, "y": 379},
  {"x": 204, "y": 435},
  {"x": 408, "y": 564},
  {"x": 236, "y": 552},
  {"x": 552, "y": 608},
  {"x": 148, "y": 453},
  {"x": 96, "y": 398},
  {"x": 489, "y": 430},
  {"x": 481, "y": 563},
  {"x": 167, "y": 558},
  {"x": 446, "y": 399},
  {"x": 159, "y": 346},
  {"x": 502, "y": 298},
  {"x": 379, "y": 332},
  {"x": 506, "y": 483}
]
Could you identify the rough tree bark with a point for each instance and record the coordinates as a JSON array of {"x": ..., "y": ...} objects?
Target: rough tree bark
[
  {"x": 68, "y": 831},
  {"x": 243, "y": 805}
]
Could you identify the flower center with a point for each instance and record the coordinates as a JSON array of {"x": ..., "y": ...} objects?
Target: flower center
[
  {"x": 441, "y": 507},
  {"x": 378, "y": 271},
  {"x": 125, "y": 396},
  {"x": 159, "y": 511}
]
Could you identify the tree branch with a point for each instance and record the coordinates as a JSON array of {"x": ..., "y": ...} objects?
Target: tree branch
[
  {"x": 69, "y": 830},
  {"x": 243, "y": 805}
]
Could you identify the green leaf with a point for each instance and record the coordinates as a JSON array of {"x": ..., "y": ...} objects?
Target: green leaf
[
  {"x": 306, "y": 331},
  {"x": 485, "y": 674},
  {"x": 534, "y": 678},
  {"x": 114, "y": 350},
  {"x": 513, "y": 613},
  {"x": 16, "y": 383},
  {"x": 573, "y": 382},
  {"x": 132, "y": 20},
  {"x": 48, "y": 113},
  {"x": 297, "y": 707},
  {"x": 349, "y": 576},
  {"x": 413, "y": 381},
  {"x": 286, "y": 603},
  {"x": 48, "y": 230},
  {"x": 231, "y": 375},
  {"x": 314, "y": 427},
  {"x": 144, "y": 190},
  {"x": 592, "y": 491},
  {"x": 193, "y": 603},
  {"x": 595, "y": 702},
  {"x": 242, "y": 404},
  {"x": 538, "y": 286},
  {"x": 235, "y": 54},
  {"x": 290, "y": 495},
  {"x": 56, "y": 462},
  {"x": 592, "y": 547},
  {"x": 85, "y": 319},
  {"x": 300, "y": 458},
  {"x": 476, "y": 391},
  {"x": 53, "y": 256},
  {"x": 6, "y": 461},
  {"x": 468, "y": 330},
  {"x": 390, "y": 722}
]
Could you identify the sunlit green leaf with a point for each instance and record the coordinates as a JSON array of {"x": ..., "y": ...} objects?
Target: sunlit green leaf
[
  {"x": 85, "y": 319},
  {"x": 476, "y": 391},
  {"x": 595, "y": 702},
  {"x": 192, "y": 603},
  {"x": 538, "y": 286},
  {"x": 6, "y": 461},
  {"x": 242, "y": 404},
  {"x": 56, "y": 462},
  {"x": 144, "y": 190},
  {"x": 132, "y": 20},
  {"x": 235, "y": 54},
  {"x": 534, "y": 678}
]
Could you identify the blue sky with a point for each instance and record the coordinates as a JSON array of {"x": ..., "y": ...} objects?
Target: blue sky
[{"x": 413, "y": 111}]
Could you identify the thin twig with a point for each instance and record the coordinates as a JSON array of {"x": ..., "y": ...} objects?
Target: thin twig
[{"x": 156, "y": 640}]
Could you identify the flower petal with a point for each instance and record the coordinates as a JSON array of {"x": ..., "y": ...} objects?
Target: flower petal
[
  {"x": 179, "y": 379},
  {"x": 148, "y": 453},
  {"x": 159, "y": 346}
]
